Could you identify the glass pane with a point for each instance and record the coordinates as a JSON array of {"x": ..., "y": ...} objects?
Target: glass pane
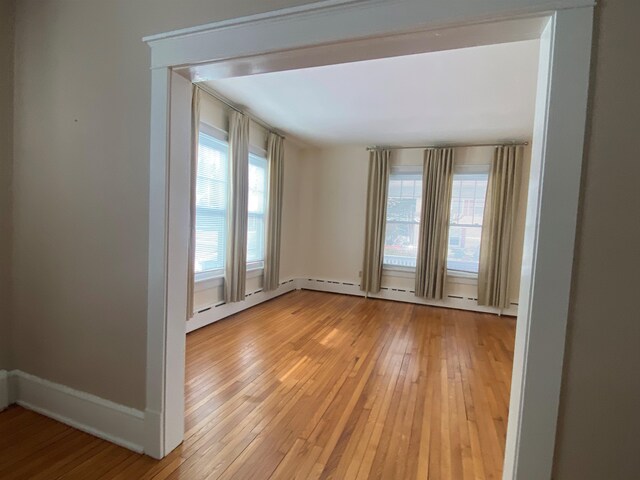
[
  {"x": 257, "y": 203},
  {"x": 211, "y": 203},
  {"x": 255, "y": 238},
  {"x": 257, "y": 186},
  {"x": 403, "y": 218},
  {"x": 465, "y": 226},
  {"x": 210, "y": 239}
]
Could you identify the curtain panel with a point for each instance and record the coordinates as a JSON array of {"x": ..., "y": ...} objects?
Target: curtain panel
[
  {"x": 431, "y": 265},
  {"x": 376, "y": 217},
  {"x": 275, "y": 160},
  {"x": 497, "y": 227},
  {"x": 237, "y": 204}
]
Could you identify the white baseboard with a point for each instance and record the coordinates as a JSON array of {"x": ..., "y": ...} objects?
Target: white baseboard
[
  {"x": 218, "y": 312},
  {"x": 4, "y": 389},
  {"x": 222, "y": 310},
  {"x": 400, "y": 295},
  {"x": 102, "y": 418}
]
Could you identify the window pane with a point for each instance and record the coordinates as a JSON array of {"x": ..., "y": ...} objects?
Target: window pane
[
  {"x": 211, "y": 203},
  {"x": 255, "y": 238},
  {"x": 403, "y": 219},
  {"x": 257, "y": 205},
  {"x": 465, "y": 226}
]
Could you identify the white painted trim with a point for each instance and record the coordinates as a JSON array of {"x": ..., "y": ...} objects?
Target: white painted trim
[
  {"x": 335, "y": 32},
  {"x": 102, "y": 418},
  {"x": 4, "y": 390},
  {"x": 222, "y": 310},
  {"x": 550, "y": 230},
  {"x": 402, "y": 295},
  {"x": 253, "y": 19},
  {"x": 335, "y": 22}
]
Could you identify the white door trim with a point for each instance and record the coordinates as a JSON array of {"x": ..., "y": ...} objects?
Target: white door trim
[{"x": 273, "y": 41}]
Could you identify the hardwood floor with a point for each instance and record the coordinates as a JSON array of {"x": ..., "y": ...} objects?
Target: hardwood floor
[{"x": 312, "y": 385}]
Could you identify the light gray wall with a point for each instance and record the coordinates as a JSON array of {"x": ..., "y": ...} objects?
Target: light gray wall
[
  {"x": 81, "y": 185},
  {"x": 598, "y": 435},
  {"x": 6, "y": 165}
]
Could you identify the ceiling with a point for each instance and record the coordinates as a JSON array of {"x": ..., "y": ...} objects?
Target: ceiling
[{"x": 478, "y": 94}]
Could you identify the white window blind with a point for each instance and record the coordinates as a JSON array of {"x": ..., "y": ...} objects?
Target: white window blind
[
  {"x": 257, "y": 207},
  {"x": 211, "y": 204},
  {"x": 465, "y": 221},
  {"x": 404, "y": 202}
]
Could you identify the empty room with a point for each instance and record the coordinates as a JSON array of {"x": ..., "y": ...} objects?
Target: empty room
[{"x": 339, "y": 239}]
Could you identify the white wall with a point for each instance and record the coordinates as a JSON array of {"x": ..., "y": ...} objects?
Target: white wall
[
  {"x": 332, "y": 215},
  {"x": 7, "y": 9},
  {"x": 216, "y": 114}
]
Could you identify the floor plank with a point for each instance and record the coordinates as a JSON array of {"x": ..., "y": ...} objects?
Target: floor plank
[{"x": 312, "y": 385}]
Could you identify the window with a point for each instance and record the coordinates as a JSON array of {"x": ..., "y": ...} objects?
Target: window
[
  {"x": 465, "y": 221},
  {"x": 211, "y": 204},
  {"x": 403, "y": 219},
  {"x": 257, "y": 205}
]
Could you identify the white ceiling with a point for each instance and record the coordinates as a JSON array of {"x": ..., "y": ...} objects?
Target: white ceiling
[{"x": 478, "y": 94}]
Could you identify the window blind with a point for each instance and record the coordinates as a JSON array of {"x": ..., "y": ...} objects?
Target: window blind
[
  {"x": 256, "y": 208},
  {"x": 211, "y": 203}
]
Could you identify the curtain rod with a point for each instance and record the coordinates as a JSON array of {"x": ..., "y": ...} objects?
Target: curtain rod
[
  {"x": 458, "y": 145},
  {"x": 232, "y": 106}
]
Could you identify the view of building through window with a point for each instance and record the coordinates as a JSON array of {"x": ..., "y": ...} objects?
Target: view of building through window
[
  {"x": 403, "y": 219},
  {"x": 465, "y": 221},
  {"x": 465, "y": 225}
]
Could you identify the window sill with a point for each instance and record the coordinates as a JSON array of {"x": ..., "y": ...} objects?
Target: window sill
[
  {"x": 400, "y": 272},
  {"x": 207, "y": 280},
  {"x": 453, "y": 276},
  {"x": 463, "y": 278}
]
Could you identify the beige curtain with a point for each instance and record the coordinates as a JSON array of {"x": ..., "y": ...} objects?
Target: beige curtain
[
  {"x": 237, "y": 203},
  {"x": 431, "y": 266},
  {"x": 195, "y": 132},
  {"x": 379, "y": 167},
  {"x": 497, "y": 227},
  {"x": 275, "y": 160}
]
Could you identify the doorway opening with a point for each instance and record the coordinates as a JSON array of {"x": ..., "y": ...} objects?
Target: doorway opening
[{"x": 552, "y": 196}]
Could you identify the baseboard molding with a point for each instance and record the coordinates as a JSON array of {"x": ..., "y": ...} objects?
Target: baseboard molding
[
  {"x": 4, "y": 389},
  {"x": 222, "y": 310},
  {"x": 400, "y": 295},
  {"x": 102, "y": 418}
]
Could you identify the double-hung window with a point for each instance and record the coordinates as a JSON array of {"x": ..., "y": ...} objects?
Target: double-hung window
[
  {"x": 257, "y": 206},
  {"x": 404, "y": 202},
  {"x": 211, "y": 205},
  {"x": 465, "y": 220}
]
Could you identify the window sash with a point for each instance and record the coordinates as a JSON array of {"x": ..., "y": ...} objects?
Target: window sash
[
  {"x": 211, "y": 206},
  {"x": 405, "y": 184},
  {"x": 256, "y": 215},
  {"x": 458, "y": 257}
]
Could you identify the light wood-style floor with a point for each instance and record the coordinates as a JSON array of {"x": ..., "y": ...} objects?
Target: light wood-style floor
[{"x": 312, "y": 385}]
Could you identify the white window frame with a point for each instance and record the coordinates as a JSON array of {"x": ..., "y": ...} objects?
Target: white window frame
[
  {"x": 261, "y": 153},
  {"x": 222, "y": 136},
  {"x": 470, "y": 169},
  {"x": 203, "y": 280},
  {"x": 367, "y": 29},
  {"x": 396, "y": 270}
]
